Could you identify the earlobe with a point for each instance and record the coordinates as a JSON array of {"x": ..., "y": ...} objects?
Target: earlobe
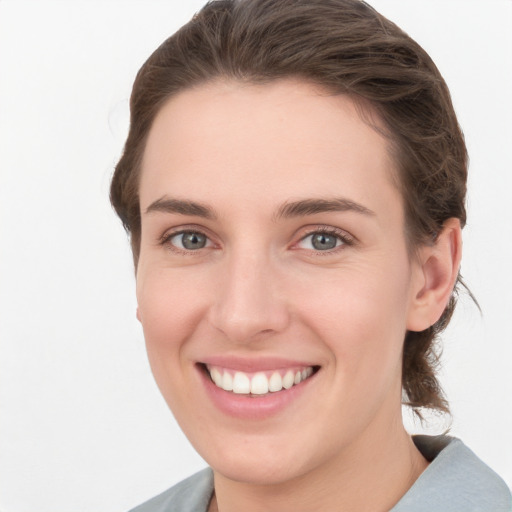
[{"x": 437, "y": 273}]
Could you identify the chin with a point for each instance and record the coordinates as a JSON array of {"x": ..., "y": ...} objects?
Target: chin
[
  {"x": 263, "y": 459},
  {"x": 258, "y": 470}
]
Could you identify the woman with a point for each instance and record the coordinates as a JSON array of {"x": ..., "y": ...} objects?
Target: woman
[{"x": 293, "y": 183}]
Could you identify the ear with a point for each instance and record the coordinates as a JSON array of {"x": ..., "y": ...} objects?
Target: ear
[
  {"x": 137, "y": 314},
  {"x": 437, "y": 268}
]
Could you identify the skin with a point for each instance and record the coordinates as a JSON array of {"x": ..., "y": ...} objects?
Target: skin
[{"x": 259, "y": 288}]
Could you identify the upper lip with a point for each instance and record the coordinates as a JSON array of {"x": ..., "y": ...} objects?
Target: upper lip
[{"x": 255, "y": 363}]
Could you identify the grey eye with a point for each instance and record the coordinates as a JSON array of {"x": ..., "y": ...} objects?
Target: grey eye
[
  {"x": 190, "y": 240},
  {"x": 321, "y": 241},
  {"x": 324, "y": 241}
]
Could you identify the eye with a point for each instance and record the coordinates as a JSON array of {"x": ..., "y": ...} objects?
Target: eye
[
  {"x": 189, "y": 240},
  {"x": 324, "y": 240}
]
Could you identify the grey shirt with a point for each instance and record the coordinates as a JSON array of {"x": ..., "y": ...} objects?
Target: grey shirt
[{"x": 455, "y": 481}]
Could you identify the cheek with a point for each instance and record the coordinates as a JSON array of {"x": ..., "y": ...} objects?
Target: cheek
[
  {"x": 361, "y": 314},
  {"x": 168, "y": 301},
  {"x": 170, "y": 309}
]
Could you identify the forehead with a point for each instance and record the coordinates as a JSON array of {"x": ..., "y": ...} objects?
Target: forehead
[{"x": 285, "y": 135}]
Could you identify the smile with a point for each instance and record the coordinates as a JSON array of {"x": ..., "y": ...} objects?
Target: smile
[{"x": 260, "y": 383}]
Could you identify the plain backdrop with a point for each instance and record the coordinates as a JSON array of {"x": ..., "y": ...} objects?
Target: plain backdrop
[{"x": 82, "y": 425}]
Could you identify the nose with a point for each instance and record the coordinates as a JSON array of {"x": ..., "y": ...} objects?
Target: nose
[{"x": 249, "y": 303}]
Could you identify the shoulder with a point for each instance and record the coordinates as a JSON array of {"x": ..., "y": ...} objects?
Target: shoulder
[
  {"x": 190, "y": 495},
  {"x": 455, "y": 480}
]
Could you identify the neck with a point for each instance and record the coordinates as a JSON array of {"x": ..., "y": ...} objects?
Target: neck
[{"x": 370, "y": 475}]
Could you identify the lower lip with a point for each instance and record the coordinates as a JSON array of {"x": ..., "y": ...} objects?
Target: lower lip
[{"x": 253, "y": 407}]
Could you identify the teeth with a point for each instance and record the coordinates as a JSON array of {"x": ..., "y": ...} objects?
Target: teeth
[
  {"x": 216, "y": 377},
  {"x": 275, "y": 383},
  {"x": 241, "y": 383},
  {"x": 260, "y": 383},
  {"x": 227, "y": 382},
  {"x": 288, "y": 380}
]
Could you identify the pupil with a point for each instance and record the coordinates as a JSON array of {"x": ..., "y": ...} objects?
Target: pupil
[
  {"x": 193, "y": 241},
  {"x": 321, "y": 241}
]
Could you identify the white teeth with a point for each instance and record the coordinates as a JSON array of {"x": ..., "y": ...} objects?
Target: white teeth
[
  {"x": 288, "y": 380},
  {"x": 259, "y": 383},
  {"x": 216, "y": 377},
  {"x": 227, "y": 382},
  {"x": 275, "y": 383},
  {"x": 241, "y": 383}
]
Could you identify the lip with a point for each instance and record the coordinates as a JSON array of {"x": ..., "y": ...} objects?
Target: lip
[
  {"x": 253, "y": 365},
  {"x": 251, "y": 407}
]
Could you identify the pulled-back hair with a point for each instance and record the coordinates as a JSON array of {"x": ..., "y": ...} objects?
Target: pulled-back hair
[{"x": 348, "y": 48}]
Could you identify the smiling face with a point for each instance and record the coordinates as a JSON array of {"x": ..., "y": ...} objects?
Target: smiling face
[{"x": 273, "y": 256}]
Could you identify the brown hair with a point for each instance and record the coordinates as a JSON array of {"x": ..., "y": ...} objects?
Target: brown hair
[{"x": 348, "y": 48}]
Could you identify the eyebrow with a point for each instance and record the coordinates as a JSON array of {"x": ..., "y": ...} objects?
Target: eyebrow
[
  {"x": 168, "y": 205},
  {"x": 288, "y": 210},
  {"x": 313, "y": 206}
]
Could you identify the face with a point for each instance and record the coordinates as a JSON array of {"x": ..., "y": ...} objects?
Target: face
[{"x": 274, "y": 285}]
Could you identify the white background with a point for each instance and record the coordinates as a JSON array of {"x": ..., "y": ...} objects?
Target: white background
[{"x": 82, "y": 425}]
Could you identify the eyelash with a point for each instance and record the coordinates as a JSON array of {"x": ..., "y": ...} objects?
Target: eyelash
[
  {"x": 165, "y": 240},
  {"x": 345, "y": 238}
]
